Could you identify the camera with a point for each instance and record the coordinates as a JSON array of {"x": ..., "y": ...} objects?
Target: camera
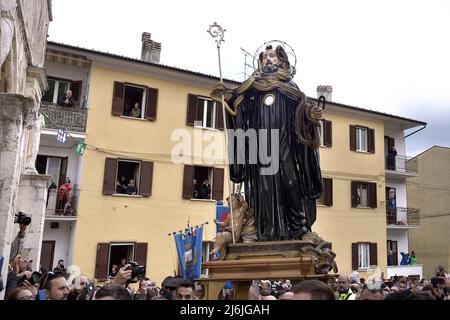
[
  {"x": 137, "y": 272},
  {"x": 23, "y": 218},
  {"x": 35, "y": 277}
]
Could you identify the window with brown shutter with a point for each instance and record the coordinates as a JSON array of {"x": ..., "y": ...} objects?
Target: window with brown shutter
[
  {"x": 109, "y": 177},
  {"x": 219, "y": 116},
  {"x": 373, "y": 254},
  {"x": 372, "y": 187},
  {"x": 352, "y": 137},
  {"x": 328, "y": 191},
  {"x": 140, "y": 253},
  {"x": 146, "y": 179},
  {"x": 327, "y": 134},
  {"x": 191, "y": 109},
  {"x": 354, "y": 193},
  {"x": 217, "y": 187},
  {"x": 188, "y": 178},
  {"x": 371, "y": 141},
  {"x": 101, "y": 261},
  {"x": 354, "y": 256},
  {"x": 118, "y": 98},
  {"x": 152, "y": 103}
]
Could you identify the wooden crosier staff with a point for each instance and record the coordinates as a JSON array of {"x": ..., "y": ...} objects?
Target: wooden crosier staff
[{"x": 217, "y": 32}]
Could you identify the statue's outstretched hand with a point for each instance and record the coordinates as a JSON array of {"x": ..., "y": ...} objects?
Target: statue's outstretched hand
[{"x": 316, "y": 113}]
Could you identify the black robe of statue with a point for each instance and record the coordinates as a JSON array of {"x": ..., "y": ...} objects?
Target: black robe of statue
[{"x": 284, "y": 203}]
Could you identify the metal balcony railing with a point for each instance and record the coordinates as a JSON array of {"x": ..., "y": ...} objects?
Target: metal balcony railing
[
  {"x": 62, "y": 203},
  {"x": 400, "y": 216},
  {"x": 401, "y": 164},
  {"x": 68, "y": 118}
]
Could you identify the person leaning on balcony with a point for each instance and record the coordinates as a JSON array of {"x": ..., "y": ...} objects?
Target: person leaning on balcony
[
  {"x": 66, "y": 100},
  {"x": 64, "y": 195},
  {"x": 392, "y": 153},
  {"x": 412, "y": 258}
]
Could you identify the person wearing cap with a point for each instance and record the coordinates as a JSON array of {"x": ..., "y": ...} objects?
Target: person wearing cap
[{"x": 228, "y": 291}]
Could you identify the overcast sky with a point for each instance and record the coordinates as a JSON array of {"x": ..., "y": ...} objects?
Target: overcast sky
[{"x": 390, "y": 56}]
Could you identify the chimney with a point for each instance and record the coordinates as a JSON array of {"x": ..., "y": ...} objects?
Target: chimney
[
  {"x": 325, "y": 91},
  {"x": 151, "y": 50}
]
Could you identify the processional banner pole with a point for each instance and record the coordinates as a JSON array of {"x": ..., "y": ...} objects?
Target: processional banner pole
[{"x": 217, "y": 32}]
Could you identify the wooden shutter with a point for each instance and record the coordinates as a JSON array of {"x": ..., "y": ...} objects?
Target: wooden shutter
[
  {"x": 328, "y": 191},
  {"x": 109, "y": 177},
  {"x": 327, "y": 133},
  {"x": 145, "y": 185},
  {"x": 75, "y": 87},
  {"x": 352, "y": 138},
  {"x": 191, "y": 109},
  {"x": 101, "y": 262},
  {"x": 140, "y": 253},
  {"x": 372, "y": 191},
  {"x": 373, "y": 254},
  {"x": 63, "y": 171},
  {"x": 395, "y": 252},
  {"x": 217, "y": 187},
  {"x": 152, "y": 103},
  {"x": 354, "y": 256},
  {"x": 118, "y": 98},
  {"x": 219, "y": 116},
  {"x": 371, "y": 140},
  {"x": 188, "y": 177},
  {"x": 354, "y": 191}
]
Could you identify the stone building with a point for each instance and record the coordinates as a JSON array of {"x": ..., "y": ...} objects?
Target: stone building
[{"x": 23, "y": 35}]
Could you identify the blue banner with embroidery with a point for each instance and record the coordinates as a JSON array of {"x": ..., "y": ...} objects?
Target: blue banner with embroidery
[{"x": 189, "y": 248}]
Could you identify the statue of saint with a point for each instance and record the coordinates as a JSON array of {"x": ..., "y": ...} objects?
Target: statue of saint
[{"x": 269, "y": 102}]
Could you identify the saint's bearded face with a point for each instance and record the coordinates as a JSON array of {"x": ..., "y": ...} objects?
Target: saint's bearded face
[{"x": 269, "y": 61}]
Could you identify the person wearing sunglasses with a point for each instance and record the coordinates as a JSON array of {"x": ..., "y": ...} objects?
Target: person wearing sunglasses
[{"x": 55, "y": 286}]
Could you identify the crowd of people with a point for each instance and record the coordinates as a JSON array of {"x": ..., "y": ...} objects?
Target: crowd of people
[{"x": 23, "y": 285}]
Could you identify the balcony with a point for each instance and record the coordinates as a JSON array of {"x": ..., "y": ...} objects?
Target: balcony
[
  {"x": 69, "y": 118},
  {"x": 61, "y": 206},
  {"x": 400, "y": 167},
  {"x": 401, "y": 218},
  {"x": 413, "y": 271}
]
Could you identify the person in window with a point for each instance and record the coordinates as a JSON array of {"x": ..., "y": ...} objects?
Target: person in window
[
  {"x": 392, "y": 153},
  {"x": 64, "y": 196},
  {"x": 114, "y": 270},
  {"x": 204, "y": 191},
  {"x": 405, "y": 259},
  {"x": 131, "y": 188},
  {"x": 412, "y": 258},
  {"x": 66, "y": 100},
  {"x": 121, "y": 185},
  {"x": 390, "y": 258},
  {"x": 136, "y": 111}
]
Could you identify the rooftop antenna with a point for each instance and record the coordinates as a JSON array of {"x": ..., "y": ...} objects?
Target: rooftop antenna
[{"x": 246, "y": 54}]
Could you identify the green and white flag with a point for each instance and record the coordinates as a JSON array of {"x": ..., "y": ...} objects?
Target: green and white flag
[{"x": 80, "y": 148}]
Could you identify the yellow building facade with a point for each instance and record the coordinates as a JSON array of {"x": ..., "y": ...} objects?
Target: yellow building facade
[{"x": 111, "y": 225}]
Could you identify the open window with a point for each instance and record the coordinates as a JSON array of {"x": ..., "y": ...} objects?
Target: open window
[
  {"x": 127, "y": 177},
  {"x": 203, "y": 183},
  {"x": 364, "y": 255},
  {"x": 325, "y": 133},
  {"x": 362, "y": 139},
  {"x": 110, "y": 254},
  {"x": 134, "y": 101},
  {"x": 58, "y": 86},
  {"x": 203, "y": 112},
  {"x": 364, "y": 194}
]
